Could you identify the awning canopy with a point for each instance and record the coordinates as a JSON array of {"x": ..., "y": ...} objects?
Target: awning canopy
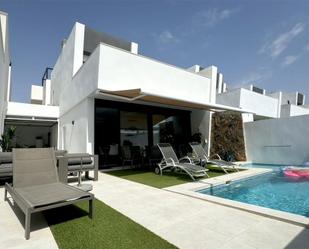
[{"x": 139, "y": 95}]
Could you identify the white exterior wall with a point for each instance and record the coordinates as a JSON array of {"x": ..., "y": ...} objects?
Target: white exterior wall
[
  {"x": 291, "y": 97},
  {"x": 121, "y": 70},
  {"x": 293, "y": 110},
  {"x": 31, "y": 110},
  {"x": 68, "y": 62},
  {"x": 4, "y": 67},
  {"x": 278, "y": 141},
  {"x": 78, "y": 137},
  {"x": 277, "y": 95},
  {"x": 259, "y": 104},
  {"x": 47, "y": 92},
  {"x": 211, "y": 73},
  {"x": 36, "y": 94},
  {"x": 134, "y": 48},
  {"x": 82, "y": 85},
  {"x": 230, "y": 98}
]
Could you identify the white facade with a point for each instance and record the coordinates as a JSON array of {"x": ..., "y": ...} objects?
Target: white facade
[
  {"x": 5, "y": 70},
  {"x": 259, "y": 104},
  {"x": 278, "y": 141},
  {"x": 110, "y": 68},
  {"x": 265, "y": 105}
]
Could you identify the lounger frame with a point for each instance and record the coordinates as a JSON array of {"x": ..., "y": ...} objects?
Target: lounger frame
[
  {"x": 174, "y": 163},
  {"x": 25, "y": 205}
]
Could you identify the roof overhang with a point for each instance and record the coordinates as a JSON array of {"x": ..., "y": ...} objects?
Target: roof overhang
[{"x": 139, "y": 95}]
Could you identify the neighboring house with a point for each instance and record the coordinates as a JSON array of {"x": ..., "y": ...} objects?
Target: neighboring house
[
  {"x": 264, "y": 105},
  {"x": 36, "y": 124}
]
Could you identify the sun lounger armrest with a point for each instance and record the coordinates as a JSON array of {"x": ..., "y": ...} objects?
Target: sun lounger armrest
[
  {"x": 186, "y": 158},
  {"x": 170, "y": 160}
]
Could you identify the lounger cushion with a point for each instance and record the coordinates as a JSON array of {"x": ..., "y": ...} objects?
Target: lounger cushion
[
  {"x": 6, "y": 157},
  {"x": 84, "y": 167},
  {"x": 77, "y": 161},
  {"x": 6, "y": 168},
  {"x": 75, "y": 158},
  {"x": 193, "y": 168},
  {"x": 47, "y": 194},
  {"x": 221, "y": 162}
]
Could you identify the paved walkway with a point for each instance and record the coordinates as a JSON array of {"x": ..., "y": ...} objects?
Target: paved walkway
[
  {"x": 12, "y": 229},
  {"x": 184, "y": 221},
  {"x": 192, "y": 223}
]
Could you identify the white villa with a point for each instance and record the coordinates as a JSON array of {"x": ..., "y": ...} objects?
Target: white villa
[
  {"x": 102, "y": 97},
  {"x": 101, "y": 93}
]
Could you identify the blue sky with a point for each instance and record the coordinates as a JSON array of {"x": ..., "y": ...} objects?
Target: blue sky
[{"x": 264, "y": 42}]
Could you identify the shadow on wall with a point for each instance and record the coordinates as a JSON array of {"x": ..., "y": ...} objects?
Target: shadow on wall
[{"x": 227, "y": 136}]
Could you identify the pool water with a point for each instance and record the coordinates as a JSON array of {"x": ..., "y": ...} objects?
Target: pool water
[{"x": 271, "y": 190}]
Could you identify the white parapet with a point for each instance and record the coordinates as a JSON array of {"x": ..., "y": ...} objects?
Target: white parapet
[{"x": 31, "y": 110}]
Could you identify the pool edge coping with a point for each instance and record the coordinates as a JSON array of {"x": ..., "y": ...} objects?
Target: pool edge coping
[{"x": 188, "y": 189}]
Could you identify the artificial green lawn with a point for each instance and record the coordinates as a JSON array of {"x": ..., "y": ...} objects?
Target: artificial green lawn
[
  {"x": 150, "y": 178},
  {"x": 73, "y": 229}
]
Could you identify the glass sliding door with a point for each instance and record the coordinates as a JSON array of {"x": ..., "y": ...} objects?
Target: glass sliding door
[
  {"x": 107, "y": 136},
  {"x": 133, "y": 129},
  {"x": 124, "y": 131}
]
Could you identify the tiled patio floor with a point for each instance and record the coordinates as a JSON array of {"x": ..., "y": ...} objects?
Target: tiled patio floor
[{"x": 184, "y": 221}]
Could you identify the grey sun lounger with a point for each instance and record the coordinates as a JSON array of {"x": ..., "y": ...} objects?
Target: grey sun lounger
[
  {"x": 201, "y": 155},
  {"x": 171, "y": 161},
  {"x": 36, "y": 186}
]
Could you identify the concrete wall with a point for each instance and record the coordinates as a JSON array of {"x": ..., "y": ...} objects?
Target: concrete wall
[
  {"x": 278, "y": 96},
  {"x": 293, "y": 110},
  {"x": 289, "y": 97},
  {"x": 278, "y": 141},
  {"x": 119, "y": 70},
  {"x": 230, "y": 98},
  {"x": 79, "y": 135},
  {"x": 4, "y": 67}
]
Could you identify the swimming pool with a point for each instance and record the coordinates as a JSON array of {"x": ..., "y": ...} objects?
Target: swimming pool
[{"x": 271, "y": 190}]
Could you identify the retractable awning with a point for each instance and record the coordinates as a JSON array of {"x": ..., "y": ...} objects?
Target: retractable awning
[{"x": 139, "y": 95}]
